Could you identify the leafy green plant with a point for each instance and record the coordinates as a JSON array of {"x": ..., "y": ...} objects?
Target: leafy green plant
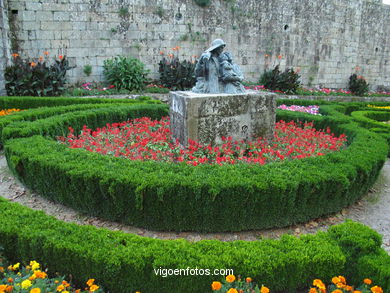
[
  {"x": 287, "y": 81},
  {"x": 176, "y": 74},
  {"x": 125, "y": 73},
  {"x": 29, "y": 78},
  {"x": 87, "y": 69},
  {"x": 123, "y": 12},
  {"x": 358, "y": 85}
]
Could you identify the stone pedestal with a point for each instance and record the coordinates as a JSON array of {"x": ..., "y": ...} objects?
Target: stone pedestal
[{"x": 207, "y": 118}]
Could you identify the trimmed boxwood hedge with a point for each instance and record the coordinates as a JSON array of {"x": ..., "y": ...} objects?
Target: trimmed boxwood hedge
[
  {"x": 164, "y": 196},
  {"x": 125, "y": 262},
  {"x": 36, "y": 102}
]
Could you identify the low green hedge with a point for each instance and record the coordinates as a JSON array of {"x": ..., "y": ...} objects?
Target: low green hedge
[
  {"x": 58, "y": 124},
  {"x": 36, "y": 102},
  {"x": 125, "y": 262},
  {"x": 164, "y": 196}
]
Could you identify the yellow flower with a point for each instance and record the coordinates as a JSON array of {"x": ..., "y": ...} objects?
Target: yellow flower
[
  {"x": 60, "y": 288},
  {"x": 376, "y": 289},
  {"x": 34, "y": 265},
  {"x": 216, "y": 286},
  {"x": 264, "y": 289},
  {"x": 230, "y": 278},
  {"x": 232, "y": 290},
  {"x": 16, "y": 266},
  {"x": 90, "y": 282},
  {"x": 367, "y": 281},
  {"x": 2, "y": 288},
  {"x": 26, "y": 284},
  {"x": 93, "y": 288},
  {"x": 35, "y": 290}
]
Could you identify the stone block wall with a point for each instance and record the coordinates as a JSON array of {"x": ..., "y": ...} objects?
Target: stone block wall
[
  {"x": 4, "y": 44},
  {"x": 327, "y": 40}
]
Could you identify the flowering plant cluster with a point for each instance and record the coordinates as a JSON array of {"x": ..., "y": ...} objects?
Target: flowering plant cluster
[
  {"x": 313, "y": 109},
  {"x": 31, "y": 279},
  {"x": 88, "y": 86},
  {"x": 231, "y": 284},
  {"x": 39, "y": 77},
  {"x": 144, "y": 139},
  {"x": 379, "y": 107},
  {"x": 339, "y": 285},
  {"x": 8, "y": 111}
]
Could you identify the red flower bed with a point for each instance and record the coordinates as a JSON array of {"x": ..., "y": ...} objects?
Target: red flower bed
[{"x": 144, "y": 139}]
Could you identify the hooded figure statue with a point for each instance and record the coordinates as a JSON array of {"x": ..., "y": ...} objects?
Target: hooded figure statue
[{"x": 217, "y": 74}]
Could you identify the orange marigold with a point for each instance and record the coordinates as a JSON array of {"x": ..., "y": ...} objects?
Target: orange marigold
[
  {"x": 232, "y": 290},
  {"x": 230, "y": 278},
  {"x": 216, "y": 286},
  {"x": 9, "y": 289},
  {"x": 10, "y": 280},
  {"x": 35, "y": 290},
  {"x": 367, "y": 281},
  {"x": 337, "y": 291},
  {"x": 60, "y": 288},
  {"x": 376, "y": 289},
  {"x": 348, "y": 288},
  {"x": 357, "y": 291},
  {"x": 90, "y": 282},
  {"x": 248, "y": 280},
  {"x": 264, "y": 289},
  {"x": 313, "y": 290},
  {"x": 319, "y": 284},
  {"x": 336, "y": 280},
  {"x": 342, "y": 280},
  {"x": 93, "y": 288}
]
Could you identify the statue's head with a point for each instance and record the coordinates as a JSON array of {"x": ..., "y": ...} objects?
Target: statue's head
[{"x": 217, "y": 46}]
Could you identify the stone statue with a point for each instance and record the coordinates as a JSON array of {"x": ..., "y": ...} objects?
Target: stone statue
[{"x": 216, "y": 73}]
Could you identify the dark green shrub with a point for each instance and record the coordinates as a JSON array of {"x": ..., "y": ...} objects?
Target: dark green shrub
[
  {"x": 125, "y": 73},
  {"x": 203, "y": 3},
  {"x": 358, "y": 85},
  {"x": 286, "y": 82},
  {"x": 28, "y": 78},
  {"x": 176, "y": 74}
]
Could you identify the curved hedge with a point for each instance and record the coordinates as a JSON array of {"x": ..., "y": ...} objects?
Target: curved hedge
[
  {"x": 164, "y": 196},
  {"x": 125, "y": 262}
]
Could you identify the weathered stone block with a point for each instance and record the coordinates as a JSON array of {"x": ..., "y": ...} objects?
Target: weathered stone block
[{"x": 209, "y": 117}]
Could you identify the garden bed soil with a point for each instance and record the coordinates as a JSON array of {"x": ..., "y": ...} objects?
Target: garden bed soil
[{"x": 372, "y": 210}]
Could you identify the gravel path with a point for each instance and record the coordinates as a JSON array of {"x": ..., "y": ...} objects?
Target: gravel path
[{"x": 372, "y": 210}]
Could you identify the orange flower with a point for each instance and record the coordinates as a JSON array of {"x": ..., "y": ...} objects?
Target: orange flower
[
  {"x": 232, "y": 290},
  {"x": 336, "y": 280},
  {"x": 46, "y": 53},
  {"x": 313, "y": 290},
  {"x": 264, "y": 289},
  {"x": 280, "y": 57},
  {"x": 90, "y": 282},
  {"x": 337, "y": 291},
  {"x": 376, "y": 289},
  {"x": 35, "y": 290},
  {"x": 248, "y": 280},
  {"x": 216, "y": 286},
  {"x": 40, "y": 275},
  {"x": 60, "y": 288},
  {"x": 93, "y": 288},
  {"x": 15, "y": 55},
  {"x": 348, "y": 288},
  {"x": 10, "y": 280},
  {"x": 357, "y": 291},
  {"x": 367, "y": 281},
  {"x": 33, "y": 64},
  {"x": 9, "y": 289},
  {"x": 342, "y": 280},
  {"x": 2, "y": 288},
  {"x": 318, "y": 283},
  {"x": 78, "y": 291},
  {"x": 230, "y": 278}
]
